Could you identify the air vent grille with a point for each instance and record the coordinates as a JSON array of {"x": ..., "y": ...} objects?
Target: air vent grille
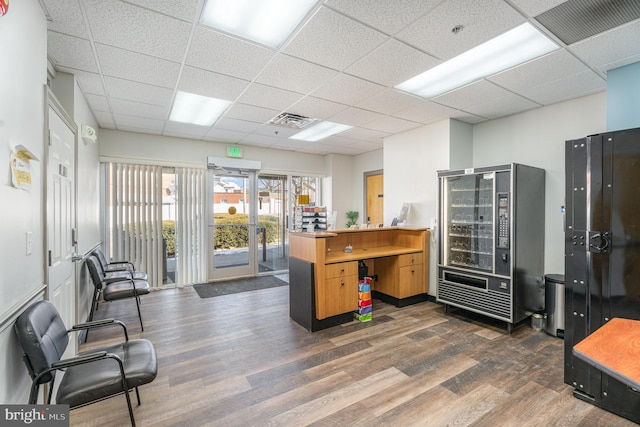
[
  {"x": 576, "y": 20},
  {"x": 291, "y": 120}
]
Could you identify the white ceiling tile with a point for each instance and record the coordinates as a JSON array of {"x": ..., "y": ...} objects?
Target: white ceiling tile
[
  {"x": 468, "y": 118},
  {"x": 554, "y": 66},
  {"x": 71, "y": 52},
  {"x": 388, "y": 16},
  {"x": 471, "y": 94},
  {"x": 485, "y": 99},
  {"x": 609, "y": 50},
  {"x": 281, "y": 132},
  {"x": 186, "y": 10},
  {"x": 425, "y": 112},
  {"x": 148, "y": 131},
  {"x": 500, "y": 107},
  {"x": 97, "y": 102},
  {"x": 207, "y": 83},
  {"x": 224, "y": 135},
  {"x": 184, "y": 129},
  {"x": 134, "y": 28},
  {"x": 267, "y": 96},
  {"x": 482, "y": 20},
  {"x": 217, "y": 52},
  {"x": 346, "y": 89},
  {"x": 356, "y": 117},
  {"x": 333, "y": 40},
  {"x": 295, "y": 74},
  {"x": 365, "y": 134},
  {"x": 382, "y": 65},
  {"x": 389, "y": 102},
  {"x": 251, "y": 113},
  {"x": 316, "y": 108},
  {"x": 392, "y": 125},
  {"x": 133, "y": 108},
  {"x": 260, "y": 140},
  {"x": 134, "y": 66},
  {"x": 536, "y": 7},
  {"x": 138, "y": 122},
  {"x": 584, "y": 83},
  {"x": 104, "y": 119},
  {"x": 88, "y": 82},
  {"x": 367, "y": 146},
  {"x": 245, "y": 126},
  {"x": 65, "y": 17},
  {"x": 134, "y": 91}
]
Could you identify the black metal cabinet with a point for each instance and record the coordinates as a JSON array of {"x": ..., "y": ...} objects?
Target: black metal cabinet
[{"x": 602, "y": 255}]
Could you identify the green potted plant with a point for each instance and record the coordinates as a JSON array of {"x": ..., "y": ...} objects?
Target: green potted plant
[{"x": 352, "y": 217}]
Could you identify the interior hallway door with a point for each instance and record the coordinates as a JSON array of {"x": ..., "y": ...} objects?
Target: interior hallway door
[
  {"x": 375, "y": 198},
  {"x": 61, "y": 216}
]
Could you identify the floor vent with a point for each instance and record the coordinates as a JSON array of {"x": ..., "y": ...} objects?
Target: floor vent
[
  {"x": 576, "y": 20},
  {"x": 291, "y": 120}
]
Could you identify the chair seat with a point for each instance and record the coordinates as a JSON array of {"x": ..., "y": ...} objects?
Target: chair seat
[
  {"x": 124, "y": 289},
  {"x": 92, "y": 381},
  {"x": 139, "y": 275}
]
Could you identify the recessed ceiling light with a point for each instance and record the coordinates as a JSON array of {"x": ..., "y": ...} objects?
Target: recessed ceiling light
[
  {"x": 268, "y": 22},
  {"x": 197, "y": 109},
  {"x": 320, "y": 131},
  {"x": 507, "y": 50}
]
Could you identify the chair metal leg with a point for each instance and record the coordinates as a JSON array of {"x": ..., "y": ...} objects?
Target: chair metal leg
[
  {"x": 139, "y": 314},
  {"x": 126, "y": 393},
  {"x": 94, "y": 307},
  {"x": 138, "y": 396}
]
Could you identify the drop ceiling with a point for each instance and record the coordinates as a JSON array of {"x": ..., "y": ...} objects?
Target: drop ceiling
[{"x": 341, "y": 64}]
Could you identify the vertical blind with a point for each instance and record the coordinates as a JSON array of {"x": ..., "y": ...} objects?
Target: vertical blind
[
  {"x": 134, "y": 217},
  {"x": 191, "y": 260}
]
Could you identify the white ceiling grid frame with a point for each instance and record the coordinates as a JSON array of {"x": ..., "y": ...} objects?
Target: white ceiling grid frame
[
  {"x": 317, "y": 108},
  {"x": 136, "y": 91},
  {"x": 346, "y": 89},
  {"x": 71, "y": 52},
  {"x": 211, "y": 84},
  {"x": 287, "y": 72}
]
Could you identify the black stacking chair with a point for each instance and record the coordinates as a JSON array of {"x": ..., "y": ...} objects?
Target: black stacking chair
[
  {"x": 89, "y": 377},
  {"x": 118, "y": 268},
  {"x": 114, "y": 288}
]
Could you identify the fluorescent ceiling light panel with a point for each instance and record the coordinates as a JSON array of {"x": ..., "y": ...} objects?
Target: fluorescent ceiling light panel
[
  {"x": 514, "y": 47},
  {"x": 320, "y": 131},
  {"x": 268, "y": 22},
  {"x": 197, "y": 109}
]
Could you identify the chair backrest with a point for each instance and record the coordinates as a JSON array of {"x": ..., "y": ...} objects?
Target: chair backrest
[
  {"x": 42, "y": 336},
  {"x": 102, "y": 258},
  {"x": 95, "y": 271}
]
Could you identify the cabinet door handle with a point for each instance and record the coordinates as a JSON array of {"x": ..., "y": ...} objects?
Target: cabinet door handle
[
  {"x": 341, "y": 282},
  {"x": 342, "y": 271}
]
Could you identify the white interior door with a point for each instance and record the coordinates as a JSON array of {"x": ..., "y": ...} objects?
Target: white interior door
[{"x": 61, "y": 217}]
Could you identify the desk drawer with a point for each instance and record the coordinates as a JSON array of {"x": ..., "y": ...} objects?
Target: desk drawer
[
  {"x": 410, "y": 259},
  {"x": 341, "y": 269}
]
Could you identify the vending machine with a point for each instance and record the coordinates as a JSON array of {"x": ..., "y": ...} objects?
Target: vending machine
[{"x": 491, "y": 241}]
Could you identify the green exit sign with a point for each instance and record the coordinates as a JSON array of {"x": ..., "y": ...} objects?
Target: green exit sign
[{"x": 234, "y": 152}]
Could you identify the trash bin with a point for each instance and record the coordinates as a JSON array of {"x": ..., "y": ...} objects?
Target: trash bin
[{"x": 554, "y": 304}]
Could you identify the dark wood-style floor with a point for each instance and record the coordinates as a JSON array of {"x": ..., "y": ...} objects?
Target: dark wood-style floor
[{"x": 238, "y": 360}]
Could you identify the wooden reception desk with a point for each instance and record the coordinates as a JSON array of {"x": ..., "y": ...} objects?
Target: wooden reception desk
[{"x": 323, "y": 278}]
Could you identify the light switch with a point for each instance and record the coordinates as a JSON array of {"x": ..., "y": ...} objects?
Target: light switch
[{"x": 29, "y": 242}]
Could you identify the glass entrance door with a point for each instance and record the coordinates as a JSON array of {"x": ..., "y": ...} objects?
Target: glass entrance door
[
  {"x": 232, "y": 224},
  {"x": 273, "y": 248}
]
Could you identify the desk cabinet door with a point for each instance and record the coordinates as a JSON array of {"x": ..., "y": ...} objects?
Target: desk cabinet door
[
  {"x": 411, "y": 281},
  {"x": 341, "y": 295}
]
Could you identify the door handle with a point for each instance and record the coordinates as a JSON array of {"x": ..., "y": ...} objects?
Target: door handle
[{"x": 602, "y": 245}]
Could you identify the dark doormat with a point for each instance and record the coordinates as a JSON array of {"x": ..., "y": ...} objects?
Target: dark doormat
[{"x": 208, "y": 290}]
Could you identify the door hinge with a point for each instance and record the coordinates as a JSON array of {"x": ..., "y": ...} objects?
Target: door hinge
[{"x": 50, "y": 258}]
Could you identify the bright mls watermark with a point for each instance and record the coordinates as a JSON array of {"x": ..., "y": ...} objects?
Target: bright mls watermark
[{"x": 34, "y": 415}]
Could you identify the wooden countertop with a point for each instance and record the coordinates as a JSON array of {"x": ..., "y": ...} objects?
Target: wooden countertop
[
  {"x": 366, "y": 253},
  {"x": 333, "y": 233},
  {"x": 614, "y": 349}
]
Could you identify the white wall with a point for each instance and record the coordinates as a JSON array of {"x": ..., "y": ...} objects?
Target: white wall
[
  {"x": 128, "y": 146},
  {"x": 23, "y": 67},
  {"x": 537, "y": 138},
  {"x": 411, "y": 162}
]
